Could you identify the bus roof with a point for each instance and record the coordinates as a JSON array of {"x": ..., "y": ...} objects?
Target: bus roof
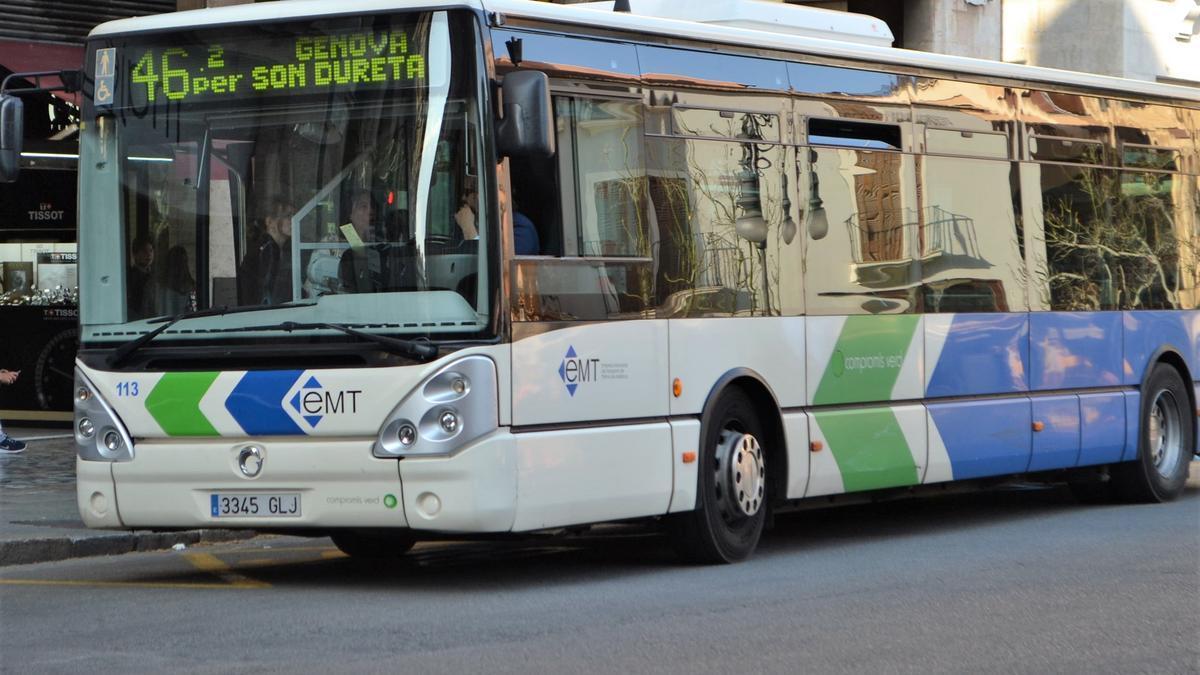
[{"x": 592, "y": 15}]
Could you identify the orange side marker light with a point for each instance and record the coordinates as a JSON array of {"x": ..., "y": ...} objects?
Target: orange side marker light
[
  {"x": 1039, "y": 426},
  {"x": 816, "y": 446},
  {"x": 689, "y": 457},
  {"x": 677, "y": 387}
]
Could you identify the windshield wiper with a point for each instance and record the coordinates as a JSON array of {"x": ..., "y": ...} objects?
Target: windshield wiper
[
  {"x": 411, "y": 348},
  {"x": 124, "y": 351}
]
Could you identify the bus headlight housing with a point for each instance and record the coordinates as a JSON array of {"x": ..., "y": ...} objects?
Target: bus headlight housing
[
  {"x": 454, "y": 406},
  {"x": 99, "y": 434}
]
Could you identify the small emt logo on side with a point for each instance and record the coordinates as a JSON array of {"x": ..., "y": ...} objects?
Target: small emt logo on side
[{"x": 576, "y": 370}]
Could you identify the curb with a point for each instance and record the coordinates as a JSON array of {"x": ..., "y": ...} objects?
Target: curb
[{"x": 27, "y": 551}]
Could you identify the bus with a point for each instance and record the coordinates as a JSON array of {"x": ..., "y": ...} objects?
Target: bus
[{"x": 457, "y": 268}]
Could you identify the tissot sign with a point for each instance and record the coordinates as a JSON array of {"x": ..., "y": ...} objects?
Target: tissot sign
[{"x": 41, "y": 202}]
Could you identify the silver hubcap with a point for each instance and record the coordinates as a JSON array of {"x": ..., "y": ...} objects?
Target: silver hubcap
[
  {"x": 1163, "y": 434},
  {"x": 741, "y": 474}
]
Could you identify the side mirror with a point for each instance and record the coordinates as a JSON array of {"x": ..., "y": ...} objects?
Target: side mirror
[
  {"x": 12, "y": 134},
  {"x": 527, "y": 129}
]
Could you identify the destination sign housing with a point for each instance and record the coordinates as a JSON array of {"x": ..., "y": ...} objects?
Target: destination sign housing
[{"x": 252, "y": 66}]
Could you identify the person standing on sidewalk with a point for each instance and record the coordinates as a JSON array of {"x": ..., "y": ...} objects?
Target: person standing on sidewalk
[{"x": 8, "y": 444}]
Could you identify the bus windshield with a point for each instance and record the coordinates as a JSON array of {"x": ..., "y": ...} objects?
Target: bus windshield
[{"x": 328, "y": 172}]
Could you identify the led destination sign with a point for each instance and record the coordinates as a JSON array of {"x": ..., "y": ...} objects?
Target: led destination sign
[{"x": 271, "y": 64}]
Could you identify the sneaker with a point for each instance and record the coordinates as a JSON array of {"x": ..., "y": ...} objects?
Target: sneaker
[{"x": 11, "y": 445}]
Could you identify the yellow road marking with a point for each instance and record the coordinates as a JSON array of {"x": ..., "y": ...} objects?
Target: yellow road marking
[
  {"x": 207, "y": 562},
  {"x": 133, "y": 584}
]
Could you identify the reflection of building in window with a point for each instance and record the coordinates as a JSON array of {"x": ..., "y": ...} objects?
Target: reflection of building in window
[
  {"x": 877, "y": 195},
  {"x": 617, "y": 221}
]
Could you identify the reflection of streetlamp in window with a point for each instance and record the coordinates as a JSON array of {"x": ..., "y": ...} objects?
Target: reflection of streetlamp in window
[
  {"x": 751, "y": 225},
  {"x": 818, "y": 222}
]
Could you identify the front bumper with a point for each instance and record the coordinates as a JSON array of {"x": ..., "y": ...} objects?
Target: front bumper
[{"x": 169, "y": 484}]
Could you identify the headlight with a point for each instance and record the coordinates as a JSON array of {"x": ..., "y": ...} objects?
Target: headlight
[
  {"x": 451, "y": 408},
  {"x": 99, "y": 434}
]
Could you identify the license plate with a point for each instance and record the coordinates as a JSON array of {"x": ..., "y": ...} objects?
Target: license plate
[{"x": 251, "y": 505}]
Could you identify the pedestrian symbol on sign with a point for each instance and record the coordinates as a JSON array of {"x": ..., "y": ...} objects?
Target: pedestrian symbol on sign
[
  {"x": 104, "y": 62},
  {"x": 106, "y": 66}
]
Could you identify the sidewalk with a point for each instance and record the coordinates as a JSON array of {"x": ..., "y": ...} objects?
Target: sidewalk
[{"x": 39, "y": 521}]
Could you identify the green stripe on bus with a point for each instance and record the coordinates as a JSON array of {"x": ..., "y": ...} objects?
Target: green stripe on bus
[
  {"x": 869, "y": 448},
  {"x": 867, "y": 360},
  {"x": 175, "y": 404}
]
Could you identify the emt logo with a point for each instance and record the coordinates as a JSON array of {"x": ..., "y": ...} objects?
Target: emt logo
[
  {"x": 312, "y": 402},
  {"x": 575, "y": 370}
]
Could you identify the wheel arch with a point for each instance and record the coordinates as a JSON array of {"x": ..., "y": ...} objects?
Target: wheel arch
[
  {"x": 755, "y": 386},
  {"x": 1171, "y": 356}
]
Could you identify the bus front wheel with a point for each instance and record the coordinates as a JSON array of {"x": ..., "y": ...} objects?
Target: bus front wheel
[
  {"x": 731, "y": 494},
  {"x": 1166, "y": 441},
  {"x": 373, "y": 544}
]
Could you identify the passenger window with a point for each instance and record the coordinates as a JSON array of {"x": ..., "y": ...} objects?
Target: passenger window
[
  {"x": 726, "y": 226},
  {"x": 864, "y": 231},
  {"x": 1116, "y": 240},
  {"x": 972, "y": 258},
  {"x": 604, "y": 234},
  {"x": 607, "y": 176}
]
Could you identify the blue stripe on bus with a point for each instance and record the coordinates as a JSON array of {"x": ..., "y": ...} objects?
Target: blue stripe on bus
[
  {"x": 984, "y": 438},
  {"x": 983, "y": 354},
  {"x": 257, "y": 402},
  {"x": 1056, "y": 446},
  {"x": 1075, "y": 350},
  {"x": 1102, "y": 436}
]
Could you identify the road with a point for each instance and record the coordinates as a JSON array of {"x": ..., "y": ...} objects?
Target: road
[{"x": 1013, "y": 580}]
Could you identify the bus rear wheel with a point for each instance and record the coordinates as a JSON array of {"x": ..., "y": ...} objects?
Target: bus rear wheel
[
  {"x": 732, "y": 493},
  {"x": 373, "y": 545},
  {"x": 1166, "y": 441}
]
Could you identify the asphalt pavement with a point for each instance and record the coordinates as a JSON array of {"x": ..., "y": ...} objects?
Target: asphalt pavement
[{"x": 39, "y": 520}]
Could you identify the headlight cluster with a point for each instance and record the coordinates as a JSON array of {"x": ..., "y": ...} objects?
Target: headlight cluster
[
  {"x": 99, "y": 435},
  {"x": 453, "y": 407}
]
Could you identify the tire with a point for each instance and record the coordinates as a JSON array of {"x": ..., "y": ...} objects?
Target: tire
[
  {"x": 373, "y": 545},
  {"x": 731, "y": 503},
  {"x": 1166, "y": 441}
]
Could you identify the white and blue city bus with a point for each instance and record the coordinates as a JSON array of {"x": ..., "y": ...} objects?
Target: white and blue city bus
[{"x": 776, "y": 264}]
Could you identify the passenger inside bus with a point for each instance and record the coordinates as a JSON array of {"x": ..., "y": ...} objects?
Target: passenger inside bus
[
  {"x": 139, "y": 276},
  {"x": 361, "y": 266},
  {"x": 372, "y": 264},
  {"x": 265, "y": 275}
]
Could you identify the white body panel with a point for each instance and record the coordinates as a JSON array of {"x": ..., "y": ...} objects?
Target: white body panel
[
  {"x": 824, "y": 477},
  {"x": 685, "y": 435},
  {"x": 702, "y": 350},
  {"x": 598, "y": 371},
  {"x": 938, "y": 468},
  {"x": 475, "y": 490},
  {"x": 340, "y": 483},
  {"x": 795, "y": 429},
  {"x": 95, "y": 494},
  {"x": 592, "y": 475}
]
